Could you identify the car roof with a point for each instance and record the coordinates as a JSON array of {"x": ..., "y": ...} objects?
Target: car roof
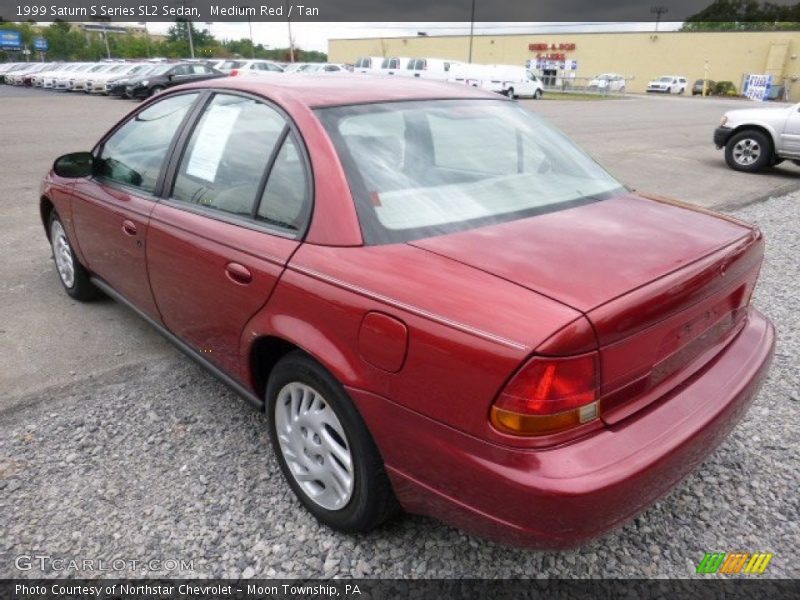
[{"x": 326, "y": 90}]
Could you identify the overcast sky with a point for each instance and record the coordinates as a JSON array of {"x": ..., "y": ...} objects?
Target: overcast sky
[{"x": 314, "y": 36}]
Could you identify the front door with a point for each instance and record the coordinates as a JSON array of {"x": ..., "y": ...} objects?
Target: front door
[
  {"x": 112, "y": 209},
  {"x": 235, "y": 215},
  {"x": 790, "y": 139}
]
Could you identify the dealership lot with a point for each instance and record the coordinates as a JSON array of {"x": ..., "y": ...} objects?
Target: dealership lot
[{"x": 114, "y": 445}]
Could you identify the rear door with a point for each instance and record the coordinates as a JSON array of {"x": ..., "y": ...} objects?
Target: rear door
[
  {"x": 233, "y": 217},
  {"x": 111, "y": 210}
]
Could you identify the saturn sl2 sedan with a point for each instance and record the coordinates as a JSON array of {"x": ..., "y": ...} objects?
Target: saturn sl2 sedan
[{"x": 442, "y": 304}]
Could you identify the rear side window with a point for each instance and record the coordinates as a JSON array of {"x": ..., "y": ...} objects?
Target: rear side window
[
  {"x": 134, "y": 154},
  {"x": 283, "y": 203},
  {"x": 227, "y": 154}
]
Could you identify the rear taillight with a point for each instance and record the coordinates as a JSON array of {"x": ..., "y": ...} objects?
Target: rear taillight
[
  {"x": 234, "y": 72},
  {"x": 549, "y": 395}
]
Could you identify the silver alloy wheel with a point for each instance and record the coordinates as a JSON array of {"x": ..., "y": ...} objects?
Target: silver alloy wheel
[
  {"x": 746, "y": 151},
  {"x": 314, "y": 445},
  {"x": 63, "y": 254}
]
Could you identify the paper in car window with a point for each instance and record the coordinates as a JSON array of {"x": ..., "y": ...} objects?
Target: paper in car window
[{"x": 211, "y": 141}]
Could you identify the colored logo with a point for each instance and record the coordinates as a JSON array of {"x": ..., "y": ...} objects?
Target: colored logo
[{"x": 741, "y": 562}]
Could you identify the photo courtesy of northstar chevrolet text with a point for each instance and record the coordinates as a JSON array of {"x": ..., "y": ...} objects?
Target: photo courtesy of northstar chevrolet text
[{"x": 508, "y": 291}]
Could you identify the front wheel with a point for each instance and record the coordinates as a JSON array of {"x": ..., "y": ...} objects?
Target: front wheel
[
  {"x": 324, "y": 449},
  {"x": 74, "y": 277},
  {"x": 748, "y": 151},
  {"x": 537, "y": 94},
  {"x": 156, "y": 89}
]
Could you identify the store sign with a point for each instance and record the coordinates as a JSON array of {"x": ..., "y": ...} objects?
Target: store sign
[
  {"x": 756, "y": 87},
  {"x": 40, "y": 44},
  {"x": 546, "y": 47},
  {"x": 10, "y": 40},
  {"x": 543, "y": 64}
]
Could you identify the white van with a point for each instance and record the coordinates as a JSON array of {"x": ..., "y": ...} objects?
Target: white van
[
  {"x": 468, "y": 73},
  {"x": 368, "y": 64},
  {"x": 394, "y": 65},
  {"x": 513, "y": 81},
  {"x": 430, "y": 68}
]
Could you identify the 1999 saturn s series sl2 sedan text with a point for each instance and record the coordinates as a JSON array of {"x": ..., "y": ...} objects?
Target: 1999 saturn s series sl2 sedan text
[{"x": 442, "y": 304}]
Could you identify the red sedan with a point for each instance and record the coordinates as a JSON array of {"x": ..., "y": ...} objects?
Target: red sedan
[{"x": 442, "y": 304}]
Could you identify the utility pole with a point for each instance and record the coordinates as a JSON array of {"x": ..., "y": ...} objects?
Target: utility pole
[
  {"x": 184, "y": 4},
  {"x": 291, "y": 41},
  {"x": 658, "y": 11},
  {"x": 471, "y": 30}
]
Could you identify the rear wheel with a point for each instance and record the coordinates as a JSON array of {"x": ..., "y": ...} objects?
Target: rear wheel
[
  {"x": 748, "y": 151},
  {"x": 73, "y": 276},
  {"x": 324, "y": 448}
]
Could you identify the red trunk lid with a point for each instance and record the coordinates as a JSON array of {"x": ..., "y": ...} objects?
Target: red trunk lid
[{"x": 665, "y": 287}]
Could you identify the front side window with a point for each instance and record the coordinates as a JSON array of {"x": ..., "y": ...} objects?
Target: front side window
[
  {"x": 227, "y": 154},
  {"x": 418, "y": 169},
  {"x": 135, "y": 153}
]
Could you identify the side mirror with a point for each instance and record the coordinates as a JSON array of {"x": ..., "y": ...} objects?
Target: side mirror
[{"x": 74, "y": 165}]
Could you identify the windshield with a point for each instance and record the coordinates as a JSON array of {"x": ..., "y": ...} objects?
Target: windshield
[
  {"x": 419, "y": 169},
  {"x": 665, "y": 79},
  {"x": 231, "y": 64}
]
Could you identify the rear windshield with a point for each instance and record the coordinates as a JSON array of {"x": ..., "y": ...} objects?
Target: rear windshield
[{"x": 419, "y": 169}]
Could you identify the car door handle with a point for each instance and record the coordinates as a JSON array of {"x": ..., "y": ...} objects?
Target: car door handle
[
  {"x": 129, "y": 227},
  {"x": 238, "y": 273}
]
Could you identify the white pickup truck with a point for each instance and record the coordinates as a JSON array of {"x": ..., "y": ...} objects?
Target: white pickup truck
[{"x": 756, "y": 138}]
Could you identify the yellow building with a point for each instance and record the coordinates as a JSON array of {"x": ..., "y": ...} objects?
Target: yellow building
[{"x": 638, "y": 56}]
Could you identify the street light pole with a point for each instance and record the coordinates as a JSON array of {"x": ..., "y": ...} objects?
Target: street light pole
[
  {"x": 252, "y": 43},
  {"x": 471, "y": 30},
  {"x": 658, "y": 11}
]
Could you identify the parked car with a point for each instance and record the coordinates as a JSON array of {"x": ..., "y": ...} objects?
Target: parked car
[
  {"x": 512, "y": 81},
  {"x": 608, "y": 82},
  {"x": 757, "y": 138},
  {"x": 667, "y": 84},
  {"x": 249, "y": 67},
  {"x": 96, "y": 84},
  {"x": 368, "y": 64},
  {"x": 167, "y": 75},
  {"x": 325, "y": 68},
  {"x": 79, "y": 83},
  {"x": 430, "y": 68},
  {"x": 117, "y": 86},
  {"x": 703, "y": 84},
  {"x": 536, "y": 402},
  {"x": 66, "y": 79},
  {"x": 17, "y": 76}
]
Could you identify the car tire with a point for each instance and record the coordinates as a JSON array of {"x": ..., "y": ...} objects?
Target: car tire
[
  {"x": 510, "y": 93},
  {"x": 155, "y": 90},
  {"x": 71, "y": 273},
  {"x": 316, "y": 430},
  {"x": 537, "y": 94},
  {"x": 748, "y": 151}
]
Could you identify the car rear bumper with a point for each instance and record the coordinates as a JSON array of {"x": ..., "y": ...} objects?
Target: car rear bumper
[
  {"x": 564, "y": 496},
  {"x": 722, "y": 135}
]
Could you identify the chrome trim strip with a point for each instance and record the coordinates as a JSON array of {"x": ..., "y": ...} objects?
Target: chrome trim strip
[{"x": 420, "y": 312}]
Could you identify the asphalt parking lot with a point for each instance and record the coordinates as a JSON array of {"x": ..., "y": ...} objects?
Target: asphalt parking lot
[{"x": 113, "y": 445}]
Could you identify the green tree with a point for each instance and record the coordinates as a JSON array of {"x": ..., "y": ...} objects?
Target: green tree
[{"x": 744, "y": 15}]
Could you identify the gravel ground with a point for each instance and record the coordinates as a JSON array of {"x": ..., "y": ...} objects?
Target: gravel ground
[{"x": 160, "y": 461}]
